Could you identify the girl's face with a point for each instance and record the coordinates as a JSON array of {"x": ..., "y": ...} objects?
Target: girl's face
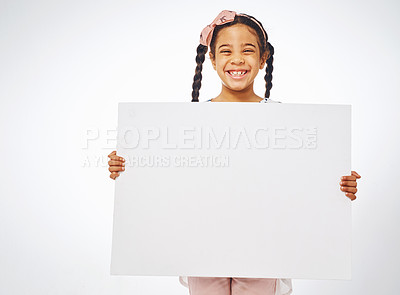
[{"x": 237, "y": 57}]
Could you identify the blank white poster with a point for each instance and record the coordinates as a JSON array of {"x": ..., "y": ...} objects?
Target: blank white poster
[{"x": 233, "y": 190}]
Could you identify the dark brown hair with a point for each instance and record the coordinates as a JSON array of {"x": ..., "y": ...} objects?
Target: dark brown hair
[{"x": 264, "y": 45}]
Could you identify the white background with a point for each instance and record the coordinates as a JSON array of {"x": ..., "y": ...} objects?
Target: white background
[{"x": 64, "y": 66}]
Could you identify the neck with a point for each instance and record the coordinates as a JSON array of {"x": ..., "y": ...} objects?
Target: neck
[{"x": 245, "y": 95}]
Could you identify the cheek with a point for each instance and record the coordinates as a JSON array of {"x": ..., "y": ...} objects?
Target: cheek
[
  {"x": 220, "y": 64},
  {"x": 257, "y": 64},
  {"x": 255, "y": 61}
]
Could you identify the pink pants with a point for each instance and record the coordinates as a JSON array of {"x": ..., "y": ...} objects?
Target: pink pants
[{"x": 231, "y": 286}]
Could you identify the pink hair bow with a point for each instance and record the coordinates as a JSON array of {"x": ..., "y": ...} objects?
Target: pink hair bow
[{"x": 224, "y": 16}]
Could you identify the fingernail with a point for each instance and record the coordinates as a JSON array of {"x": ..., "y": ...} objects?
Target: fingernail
[
  {"x": 123, "y": 168},
  {"x": 341, "y": 183}
]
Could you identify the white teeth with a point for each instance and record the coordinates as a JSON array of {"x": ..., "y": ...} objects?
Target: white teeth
[{"x": 237, "y": 73}]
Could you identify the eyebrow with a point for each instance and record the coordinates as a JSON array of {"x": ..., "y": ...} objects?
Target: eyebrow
[{"x": 244, "y": 44}]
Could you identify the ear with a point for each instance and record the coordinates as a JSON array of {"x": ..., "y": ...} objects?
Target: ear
[
  {"x": 264, "y": 59},
  {"x": 212, "y": 60}
]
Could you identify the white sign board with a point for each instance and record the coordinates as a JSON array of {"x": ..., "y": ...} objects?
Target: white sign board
[{"x": 233, "y": 190}]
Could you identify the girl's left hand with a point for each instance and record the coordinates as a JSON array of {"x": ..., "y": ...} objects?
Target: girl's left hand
[{"x": 348, "y": 184}]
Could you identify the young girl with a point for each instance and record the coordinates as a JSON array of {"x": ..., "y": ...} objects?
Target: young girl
[{"x": 239, "y": 48}]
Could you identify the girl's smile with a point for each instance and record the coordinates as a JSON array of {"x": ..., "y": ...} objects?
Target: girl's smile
[{"x": 237, "y": 74}]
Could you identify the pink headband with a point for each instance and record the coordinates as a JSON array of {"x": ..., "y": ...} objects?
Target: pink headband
[{"x": 225, "y": 16}]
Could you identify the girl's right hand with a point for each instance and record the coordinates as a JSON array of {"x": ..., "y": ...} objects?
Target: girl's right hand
[{"x": 116, "y": 164}]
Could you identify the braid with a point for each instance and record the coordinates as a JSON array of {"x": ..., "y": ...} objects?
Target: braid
[
  {"x": 268, "y": 69},
  {"x": 201, "y": 51}
]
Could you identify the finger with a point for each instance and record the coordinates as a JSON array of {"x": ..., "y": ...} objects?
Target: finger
[
  {"x": 348, "y": 189},
  {"x": 355, "y": 174},
  {"x": 116, "y": 163},
  {"x": 348, "y": 183},
  {"x": 116, "y": 158},
  {"x": 113, "y": 156},
  {"x": 348, "y": 177},
  {"x": 351, "y": 196},
  {"x": 116, "y": 168},
  {"x": 114, "y": 175}
]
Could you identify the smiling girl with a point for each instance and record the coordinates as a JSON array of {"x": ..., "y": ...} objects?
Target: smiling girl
[{"x": 239, "y": 49}]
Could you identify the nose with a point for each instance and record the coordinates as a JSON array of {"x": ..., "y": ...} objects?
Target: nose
[{"x": 237, "y": 59}]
